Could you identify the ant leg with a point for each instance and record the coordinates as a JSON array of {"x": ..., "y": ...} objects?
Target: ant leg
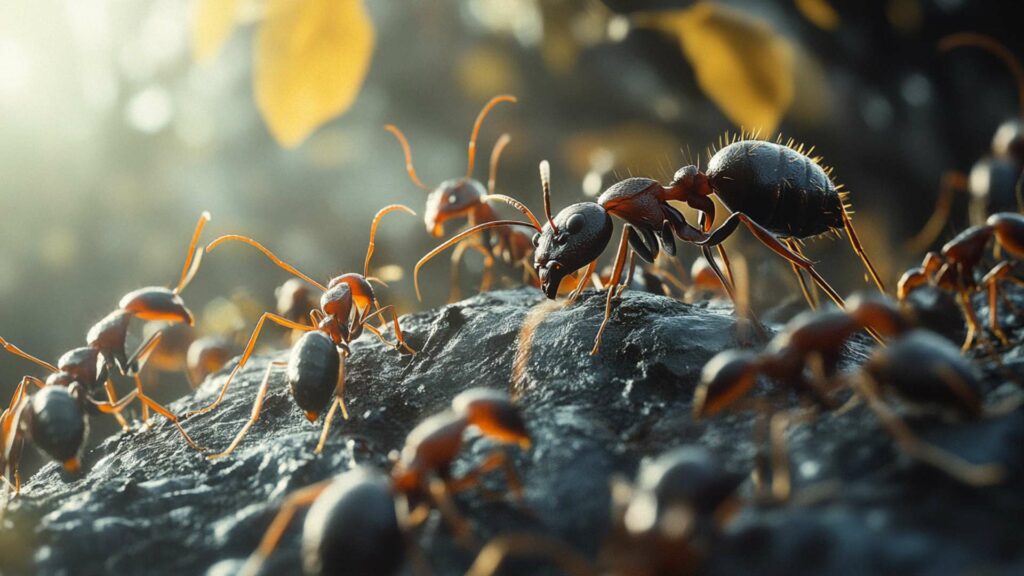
[
  {"x": 782, "y": 485},
  {"x": 496, "y": 460},
  {"x": 159, "y": 409},
  {"x": 973, "y": 326},
  {"x": 339, "y": 402},
  {"x": 812, "y": 299},
  {"x": 438, "y": 490},
  {"x": 851, "y": 233},
  {"x": 108, "y": 386},
  {"x": 302, "y": 498},
  {"x": 485, "y": 282},
  {"x": 956, "y": 467},
  {"x": 585, "y": 278},
  {"x": 19, "y": 352},
  {"x": 488, "y": 562},
  {"x": 280, "y": 320},
  {"x": 629, "y": 275},
  {"x": 390, "y": 309},
  {"x": 620, "y": 261},
  {"x": 952, "y": 182},
  {"x": 457, "y": 253},
  {"x": 108, "y": 408},
  {"x": 1001, "y": 271},
  {"x": 256, "y": 407}
]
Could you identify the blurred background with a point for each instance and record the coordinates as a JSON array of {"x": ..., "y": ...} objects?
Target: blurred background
[{"x": 116, "y": 136}]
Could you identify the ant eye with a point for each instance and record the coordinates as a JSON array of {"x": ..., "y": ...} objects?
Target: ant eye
[
  {"x": 536, "y": 240},
  {"x": 575, "y": 223},
  {"x": 452, "y": 198}
]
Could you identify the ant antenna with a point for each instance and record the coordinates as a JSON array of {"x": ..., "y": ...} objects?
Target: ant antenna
[
  {"x": 515, "y": 204},
  {"x": 499, "y": 146},
  {"x": 408, "y": 156},
  {"x": 193, "y": 259},
  {"x": 992, "y": 46},
  {"x": 545, "y": 184},
  {"x": 281, "y": 263},
  {"x": 476, "y": 127},
  {"x": 19, "y": 352},
  {"x": 373, "y": 231}
]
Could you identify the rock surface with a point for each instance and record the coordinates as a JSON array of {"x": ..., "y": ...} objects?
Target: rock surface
[{"x": 147, "y": 503}]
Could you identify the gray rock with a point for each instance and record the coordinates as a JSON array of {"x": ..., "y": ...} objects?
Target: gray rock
[{"x": 147, "y": 503}]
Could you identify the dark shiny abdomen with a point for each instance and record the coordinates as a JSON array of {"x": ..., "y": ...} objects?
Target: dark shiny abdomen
[
  {"x": 777, "y": 187},
  {"x": 312, "y": 371}
]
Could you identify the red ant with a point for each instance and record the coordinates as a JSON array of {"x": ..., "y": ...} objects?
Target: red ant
[
  {"x": 954, "y": 269},
  {"x": 361, "y": 518},
  {"x": 920, "y": 368},
  {"x": 315, "y": 370},
  {"x": 777, "y": 192},
  {"x": 663, "y": 523},
  {"x": 467, "y": 197},
  {"x": 91, "y": 367},
  {"x": 994, "y": 182}
]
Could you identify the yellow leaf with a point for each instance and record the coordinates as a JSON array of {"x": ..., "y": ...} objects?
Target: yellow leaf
[
  {"x": 311, "y": 59},
  {"x": 212, "y": 22},
  {"x": 740, "y": 63},
  {"x": 819, "y": 12}
]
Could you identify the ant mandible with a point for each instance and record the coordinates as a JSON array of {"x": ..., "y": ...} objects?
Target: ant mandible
[
  {"x": 467, "y": 197},
  {"x": 994, "y": 182},
  {"x": 362, "y": 505},
  {"x": 955, "y": 266},
  {"x": 315, "y": 370},
  {"x": 780, "y": 194}
]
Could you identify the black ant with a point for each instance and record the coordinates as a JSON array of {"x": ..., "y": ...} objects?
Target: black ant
[
  {"x": 919, "y": 367},
  {"x": 954, "y": 268},
  {"x": 663, "y": 523},
  {"x": 467, "y": 197},
  {"x": 780, "y": 194},
  {"x": 360, "y": 519},
  {"x": 994, "y": 182},
  {"x": 315, "y": 370}
]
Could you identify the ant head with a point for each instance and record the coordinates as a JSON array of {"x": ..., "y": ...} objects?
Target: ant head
[
  {"x": 878, "y": 312},
  {"x": 451, "y": 199},
  {"x": 1009, "y": 140},
  {"x": 494, "y": 414},
  {"x": 362, "y": 290},
  {"x": 336, "y": 302},
  {"x": 690, "y": 179},
  {"x": 57, "y": 425},
  {"x": 157, "y": 303},
  {"x": 670, "y": 488},
  {"x": 725, "y": 379},
  {"x": 580, "y": 233}
]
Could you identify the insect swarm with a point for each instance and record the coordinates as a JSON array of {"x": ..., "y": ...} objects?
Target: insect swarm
[
  {"x": 994, "y": 182},
  {"x": 358, "y": 522},
  {"x": 780, "y": 194},
  {"x": 468, "y": 198},
  {"x": 315, "y": 370}
]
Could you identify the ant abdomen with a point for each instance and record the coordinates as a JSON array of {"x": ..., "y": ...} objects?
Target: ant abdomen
[
  {"x": 776, "y": 186},
  {"x": 56, "y": 423},
  {"x": 312, "y": 373},
  {"x": 992, "y": 183}
]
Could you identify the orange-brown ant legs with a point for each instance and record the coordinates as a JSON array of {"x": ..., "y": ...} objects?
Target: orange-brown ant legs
[
  {"x": 851, "y": 233},
  {"x": 973, "y": 326},
  {"x": 491, "y": 557},
  {"x": 581, "y": 285},
  {"x": 280, "y": 320},
  {"x": 338, "y": 402},
  {"x": 108, "y": 408},
  {"x": 811, "y": 297},
  {"x": 496, "y": 460},
  {"x": 488, "y": 273},
  {"x": 302, "y": 498},
  {"x": 381, "y": 312},
  {"x": 19, "y": 352},
  {"x": 913, "y": 446},
  {"x": 108, "y": 387},
  {"x": 161, "y": 410},
  {"x": 442, "y": 499},
  {"x": 952, "y": 182},
  {"x": 1002, "y": 272},
  {"x": 620, "y": 261},
  {"x": 254, "y": 416}
]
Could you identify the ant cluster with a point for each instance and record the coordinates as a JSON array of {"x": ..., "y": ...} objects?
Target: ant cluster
[{"x": 680, "y": 501}]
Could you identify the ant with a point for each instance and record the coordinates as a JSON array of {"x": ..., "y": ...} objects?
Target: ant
[
  {"x": 994, "y": 182},
  {"x": 362, "y": 517},
  {"x": 207, "y": 355},
  {"x": 54, "y": 417},
  {"x": 921, "y": 368},
  {"x": 955, "y": 266},
  {"x": 663, "y": 523},
  {"x": 315, "y": 370},
  {"x": 92, "y": 366},
  {"x": 780, "y": 194},
  {"x": 467, "y": 197}
]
